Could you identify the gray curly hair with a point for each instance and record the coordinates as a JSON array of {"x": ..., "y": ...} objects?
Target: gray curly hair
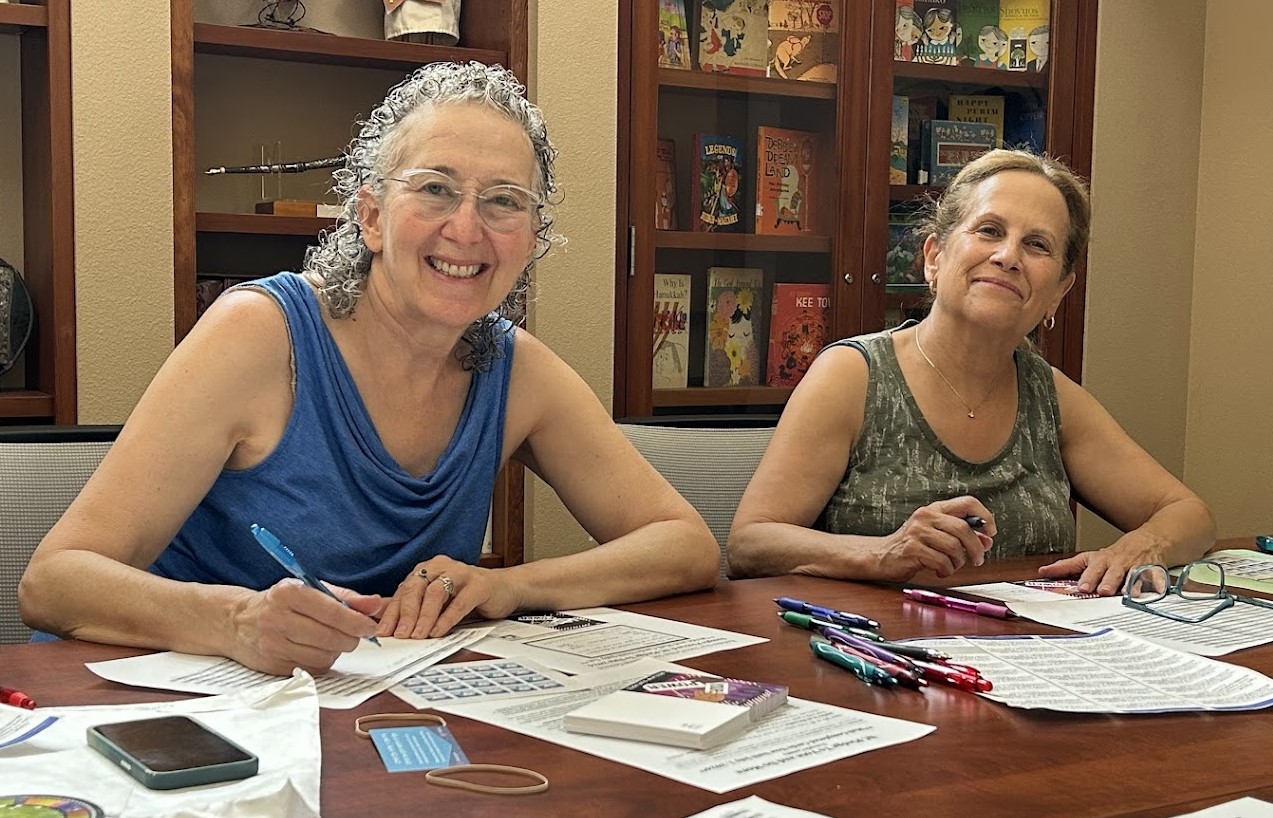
[{"x": 341, "y": 258}]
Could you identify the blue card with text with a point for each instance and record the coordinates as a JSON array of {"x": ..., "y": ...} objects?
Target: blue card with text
[{"x": 406, "y": 749}]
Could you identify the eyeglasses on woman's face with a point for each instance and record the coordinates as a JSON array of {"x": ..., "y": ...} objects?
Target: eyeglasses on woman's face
[
  {"x": 435, "y": 195},
  {"x": 1150, "y": 588}
]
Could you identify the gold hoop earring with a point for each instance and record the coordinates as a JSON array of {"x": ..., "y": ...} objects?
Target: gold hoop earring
[{"x": 1049, "y": 322}]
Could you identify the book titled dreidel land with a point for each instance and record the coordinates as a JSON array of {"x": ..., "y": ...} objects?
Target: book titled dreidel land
[
  {"x": 680, "y": 709},
  {"x": 786, "y": 160}
]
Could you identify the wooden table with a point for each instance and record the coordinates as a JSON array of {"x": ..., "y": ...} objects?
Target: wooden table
[{"x": 984, "y": 759}]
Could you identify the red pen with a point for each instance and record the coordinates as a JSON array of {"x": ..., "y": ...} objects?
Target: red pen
[
  {"x": 963, "y": 681},
  {"x": 16, "y": 698},
  {"x": 983, "y": 608}
]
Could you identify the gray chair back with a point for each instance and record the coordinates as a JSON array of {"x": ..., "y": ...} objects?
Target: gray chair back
[
  {"x": 42, "y": 469},
  {"x": 710, "y": 465}
]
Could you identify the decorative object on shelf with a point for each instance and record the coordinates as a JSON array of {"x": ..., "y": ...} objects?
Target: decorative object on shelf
[
  {"x": 17, "y": 316},
  {"x": 284, "y": 15},
  {"x": 280, "y": 167},
  {"x": 287, "y": 207},
  {"x": 432, "y": 22}
]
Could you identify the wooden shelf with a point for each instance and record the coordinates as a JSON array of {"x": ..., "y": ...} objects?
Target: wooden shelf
[
  {"x": 686, "y": 240},
  {"x": 25, "y": 403},
  {"x": 261, "y": 224},
  {"x": 328, "y": 49},
  {"x": 15, "y": 17},
  {"x": 723, "y": 396},
  {"x": 967, "y": 75},
  {"x": 733, "y": 83}
]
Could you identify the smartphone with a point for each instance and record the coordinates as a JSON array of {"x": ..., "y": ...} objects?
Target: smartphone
[{"x": 171, "y": 751}]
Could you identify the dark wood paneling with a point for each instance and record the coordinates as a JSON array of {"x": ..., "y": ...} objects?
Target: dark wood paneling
[{"x": 183, "y": 169}]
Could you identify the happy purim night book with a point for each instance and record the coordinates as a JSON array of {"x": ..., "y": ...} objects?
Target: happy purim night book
[{"x": 717, "y": 183}]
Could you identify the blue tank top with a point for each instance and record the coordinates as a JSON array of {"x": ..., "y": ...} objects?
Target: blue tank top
[{"x": 332, "y": 492}]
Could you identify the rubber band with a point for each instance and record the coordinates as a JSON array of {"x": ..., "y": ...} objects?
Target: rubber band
[
  {"x": 414, "y": 718},
  {"x": 442, "y": 779}
]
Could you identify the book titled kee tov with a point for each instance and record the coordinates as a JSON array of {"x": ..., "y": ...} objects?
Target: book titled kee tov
[
  {"x": 735, "y": 306},
  {"x": 718, "y": 183},
  {"x": 680, "y": 709},
  {"x": 786, "y": 163},
  {"x": 671, "y": 331},
  {"x": 798, "y": 330},
  {"x": 665, "y": 217},
  {"x": 804, "y": 40}
]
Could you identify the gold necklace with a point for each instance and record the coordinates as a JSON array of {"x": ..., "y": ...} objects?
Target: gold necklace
[{"x": 971, "y": 409}]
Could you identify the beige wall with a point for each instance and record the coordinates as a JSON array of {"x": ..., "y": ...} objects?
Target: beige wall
[{"x": 1177, "y": 325}]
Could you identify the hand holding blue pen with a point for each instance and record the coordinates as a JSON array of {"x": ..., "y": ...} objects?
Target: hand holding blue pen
[{"x": 275, "y": 548}]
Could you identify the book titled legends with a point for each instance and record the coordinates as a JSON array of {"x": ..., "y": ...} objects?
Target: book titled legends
[
  {"x": 717, "y": 183},
  {"x": 735, "y": 304},
  {"x": 671, "y": 330}
]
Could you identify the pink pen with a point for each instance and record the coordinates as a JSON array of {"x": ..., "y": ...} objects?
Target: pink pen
[{"x": 983, "y": 608}]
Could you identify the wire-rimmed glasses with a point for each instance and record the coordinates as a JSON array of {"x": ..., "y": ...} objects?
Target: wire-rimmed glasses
[
  {"x": 504, "y": 208},
  {"x": 1149, "y": 586}
]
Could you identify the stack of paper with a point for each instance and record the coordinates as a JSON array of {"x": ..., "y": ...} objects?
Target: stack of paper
[{"x": 692, "y": 723}]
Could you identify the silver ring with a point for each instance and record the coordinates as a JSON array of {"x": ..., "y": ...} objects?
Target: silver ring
[
  {"x": 447, "y": 585},
  {"x": 423, "y": 573}
]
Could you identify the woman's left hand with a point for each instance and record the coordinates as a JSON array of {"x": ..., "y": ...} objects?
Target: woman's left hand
[
  {"x": 1103, "y": 571},
  {"x": 439, "y": 593}
]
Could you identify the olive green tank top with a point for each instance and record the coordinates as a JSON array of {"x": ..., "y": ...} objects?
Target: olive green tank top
[{"x": 898, "y": 464}]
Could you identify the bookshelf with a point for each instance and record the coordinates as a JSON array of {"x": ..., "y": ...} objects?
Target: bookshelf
[
  {"x": 320, "y": 83},
  {"x": 848, "y": 247},
  {"x": 42, "y": 386}
]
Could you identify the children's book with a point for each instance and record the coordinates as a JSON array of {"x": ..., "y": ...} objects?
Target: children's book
[
  {"x": 978, "y": 108},
  {"x": 786, "y": 164},
  {"x": 1026, "y": 23},
  {"x": 734, "y": 36},
  {"x": 898, "y": 140},
  {"x": 941, "y": 35},
  {"x": 951, "y": 145},
  {"x": 665, "y": 216},
  {"x": 1025, "y": 122},
  {"x": 735, "y": 305},
  {"x": 984, "y": 44},
  {"x": 671, "y": 330},
  {"x": 908, "y": 30},
  {"x": 717, "y": 187},
  {"x": 804, "y": 39},
  {"x": 674, "y": 44},
  {"x": 799, "y": 327}
]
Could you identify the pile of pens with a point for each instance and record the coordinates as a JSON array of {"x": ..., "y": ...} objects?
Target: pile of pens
[{"x": 854, "y": 643}]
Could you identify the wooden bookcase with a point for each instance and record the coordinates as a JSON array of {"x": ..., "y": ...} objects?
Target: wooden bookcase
[
  {"x": 848, "y": 246},
  {"x": 238, "y": 243},
  {"x": 47, "y": 392}
]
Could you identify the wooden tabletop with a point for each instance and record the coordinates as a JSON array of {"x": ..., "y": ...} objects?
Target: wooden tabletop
[{"x": 984, "y": 759}]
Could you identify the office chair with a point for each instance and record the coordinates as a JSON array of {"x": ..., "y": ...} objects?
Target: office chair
[
  {"x": 709, "y": 459},
  {"x": 42, "y": 469}
]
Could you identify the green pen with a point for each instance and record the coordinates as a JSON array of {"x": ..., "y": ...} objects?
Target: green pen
[
  {"x": 859, "y": 667},
  {"x": 812, "y": 623}
]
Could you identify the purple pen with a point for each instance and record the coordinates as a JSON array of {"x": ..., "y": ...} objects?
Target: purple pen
[{"x": 981, "y": 608}]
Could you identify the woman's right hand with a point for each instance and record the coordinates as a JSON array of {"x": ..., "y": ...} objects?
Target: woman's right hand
[
  {"x": 291, "y": 625},
  {"x": 937, "y": 538}
]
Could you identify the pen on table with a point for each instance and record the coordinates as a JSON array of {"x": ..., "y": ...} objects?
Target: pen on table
[
  {"x": 838, "y": 617},
  {"x": 983, "y": 608},
  {"x": 899, "y": 667},
  {"x": 952, "y": 676},
  {"x": 1264, "y": 543},
  {"x": 16, "y": 698},
  {"x": 812, "y": 623},
  {"x": 859, "y": 667},
  {"x": 275, "y": 548}
]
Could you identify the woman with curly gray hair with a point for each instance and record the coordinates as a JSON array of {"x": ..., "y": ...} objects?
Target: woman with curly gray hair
[{"x": 359, "y": 412}]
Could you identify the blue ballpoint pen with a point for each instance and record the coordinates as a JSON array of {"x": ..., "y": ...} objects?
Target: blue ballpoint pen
[
  {"x": 275, "y": 548},
  {"x": 838, "y": 617}
]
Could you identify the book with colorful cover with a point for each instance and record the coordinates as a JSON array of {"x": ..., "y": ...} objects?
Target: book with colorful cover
[
  {"x": 978, "y": 108},
  {"x": 665, "y": 216},
  {"x": 904, "y": 261},
  {"x": 735, "y": 306},
  {"x": 1024, "y": 20},
  {"x": 799, "y": 327},
  {"x": 951, "y": 145},
  {"x": 984, "y": 44},
  {"x": 804, "y": 39},
  {"x": 941, "y": 35},
  {"x": 718, "y": 182},
  {"x": 734, "y": 36},
  {"x": 674, "y": 42},
  {"x": 760, "y": 698},
  {"x": 898, "y": 141},
  {"x": 1025, "y": 122},
  {"x": 671, "y": 330},
  {"x": 908, "y": 30},
  {"x": 786, "y": 162},
  {"x": 680, "y": 722}
]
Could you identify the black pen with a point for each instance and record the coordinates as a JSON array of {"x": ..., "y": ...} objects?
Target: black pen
[{"x": 975, "y": 522}]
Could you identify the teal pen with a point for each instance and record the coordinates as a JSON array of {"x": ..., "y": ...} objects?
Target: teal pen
[
  {"x": 812, "y": 623},
  {"x": 275, "y": 548},
  {"x": 856, "y": 665}
]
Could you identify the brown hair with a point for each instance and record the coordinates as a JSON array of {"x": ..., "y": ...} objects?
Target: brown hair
[{"x": 948, "y": 211}]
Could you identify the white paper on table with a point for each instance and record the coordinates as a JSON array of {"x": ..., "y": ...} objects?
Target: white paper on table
[
  {"x": 1252, "y": 570},
  {"x": 755, "y": 807},
  {"x": 277, "y": 722},
  {"x": 797, "y": 736},
  {"x": 600, "y": 638},
  {"x": 1104, "y": 672},
  {"x": 1238, "y": 627},
  {"x": 1241, "y": 808},
  {"x": 17, "y": 725},
  {"x": 355, "y": 677},
  {"x": 1012, "y": 592}
]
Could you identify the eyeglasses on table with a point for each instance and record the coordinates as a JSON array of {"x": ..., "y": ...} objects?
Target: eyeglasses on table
[{"x": 1149, "y": 587}]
